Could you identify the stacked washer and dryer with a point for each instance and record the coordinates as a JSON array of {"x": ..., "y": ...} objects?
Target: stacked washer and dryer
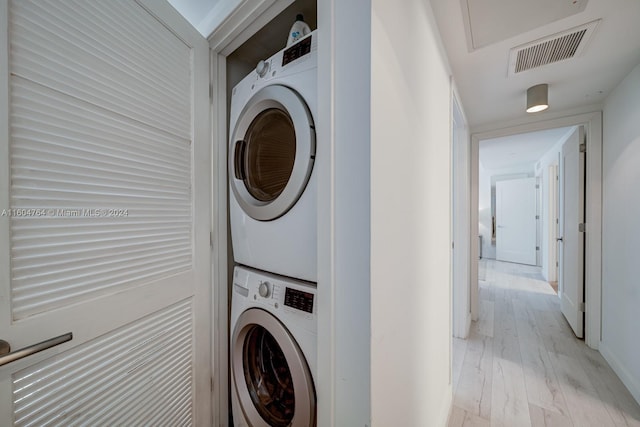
[{"x": 273, "y": 215}]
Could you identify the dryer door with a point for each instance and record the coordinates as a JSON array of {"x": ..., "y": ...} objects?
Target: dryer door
[
  {"x": 271, "y": 377},
  {"x": 271, "y": 152}
]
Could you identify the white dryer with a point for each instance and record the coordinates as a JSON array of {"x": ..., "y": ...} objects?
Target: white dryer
[
  {"x": 273, "y": 350},
  {"x": 272, "y": 148}
]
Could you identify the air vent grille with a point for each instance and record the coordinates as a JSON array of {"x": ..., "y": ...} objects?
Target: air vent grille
[{"x": 548, "y": 50}]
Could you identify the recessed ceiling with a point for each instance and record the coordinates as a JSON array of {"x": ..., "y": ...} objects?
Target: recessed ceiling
[
  {"x": 490, "y": 21},
  {"x": 519, "y": 151}
]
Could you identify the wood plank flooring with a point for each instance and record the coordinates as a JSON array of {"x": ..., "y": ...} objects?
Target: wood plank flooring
[{"x": 523, "y": 366}]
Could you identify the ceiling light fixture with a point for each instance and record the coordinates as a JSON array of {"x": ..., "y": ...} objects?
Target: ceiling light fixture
[{"x": 538, "y": 98}]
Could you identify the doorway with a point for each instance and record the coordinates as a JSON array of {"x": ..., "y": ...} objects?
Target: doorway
[{"x": 592, "y": 123}]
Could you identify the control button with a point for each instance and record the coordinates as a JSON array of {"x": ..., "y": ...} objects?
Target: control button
[
  {"x": 262, "y": 68},
  {"x": 264, "y": 290}
]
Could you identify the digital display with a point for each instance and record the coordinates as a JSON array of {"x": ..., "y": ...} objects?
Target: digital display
[
  {"x": 296, "y": 51},
  {"x": 299, "y": 300}
]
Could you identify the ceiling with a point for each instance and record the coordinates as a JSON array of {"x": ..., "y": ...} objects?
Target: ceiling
[
  {"x": 478, "y": 36},
  {"x": 194, "y": 10},
  {"x": 205, "y": 15},
  {"x": 520, "y": 151},
  {"x": 491, "y": 95}
]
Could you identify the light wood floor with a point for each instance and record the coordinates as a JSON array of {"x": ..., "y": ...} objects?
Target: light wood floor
[{"x": 522, "y": 365}]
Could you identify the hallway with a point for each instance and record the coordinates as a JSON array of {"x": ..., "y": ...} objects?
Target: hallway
[{"x": 522, "y": 365}]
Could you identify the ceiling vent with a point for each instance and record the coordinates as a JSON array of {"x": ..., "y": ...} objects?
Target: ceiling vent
[{"x": 554, "y": 48}]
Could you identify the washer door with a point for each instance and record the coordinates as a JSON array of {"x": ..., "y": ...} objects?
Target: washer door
[
  {"x": 272, "y": 380},
  {"x": 271, "y": 152}
]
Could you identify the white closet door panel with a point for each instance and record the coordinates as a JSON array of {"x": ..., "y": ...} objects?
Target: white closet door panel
[
  {"x": 105, "y": 193},
  {"x": 111, "y": 196},
  {"x": 116, "y": 59},
  {"x": 139, "y": 374}
]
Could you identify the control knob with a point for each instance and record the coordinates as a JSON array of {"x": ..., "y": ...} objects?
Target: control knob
[
  {"x": 264, "y": 289},
  {"x": 262, "y": 68}
]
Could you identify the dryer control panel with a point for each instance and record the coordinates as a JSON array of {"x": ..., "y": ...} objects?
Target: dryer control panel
[{"x": 296, "y": 51}]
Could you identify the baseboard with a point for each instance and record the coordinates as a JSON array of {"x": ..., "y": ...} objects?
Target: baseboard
[{"x": 632, "y": 384}]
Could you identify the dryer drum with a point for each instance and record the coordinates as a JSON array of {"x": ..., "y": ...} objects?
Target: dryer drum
[
  {"x": 274, "y": 152},
  {"x": 269, "y": 154}
]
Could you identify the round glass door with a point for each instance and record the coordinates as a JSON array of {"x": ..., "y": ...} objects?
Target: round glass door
[
  {"x": 268, "y": 378},
  {"x": 271, "y": 153},
  {"x": 272, "y": 380}
]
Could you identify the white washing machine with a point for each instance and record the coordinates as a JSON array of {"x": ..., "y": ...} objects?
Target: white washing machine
[
  {"x": 272, "y": 148},
  {"x": 273, "y": 350}
]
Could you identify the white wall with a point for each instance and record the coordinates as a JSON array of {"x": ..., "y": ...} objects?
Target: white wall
[
  {"x": 410, "y": 217},
  {"x": 621, "y": 234}
]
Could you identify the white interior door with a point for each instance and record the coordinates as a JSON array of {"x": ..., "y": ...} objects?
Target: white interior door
[
  {"x": 571, "y": 240},
  {"x": 516, "y": 220},
  {"x": 104, "y": 232}
]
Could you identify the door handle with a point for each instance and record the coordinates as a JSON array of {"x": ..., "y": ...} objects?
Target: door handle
[
  {"x": 8, "y": 356},
  {"x": 559, "y": 239}
]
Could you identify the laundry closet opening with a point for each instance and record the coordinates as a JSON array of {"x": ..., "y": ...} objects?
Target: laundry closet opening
[{"x": 271, "y": 100}]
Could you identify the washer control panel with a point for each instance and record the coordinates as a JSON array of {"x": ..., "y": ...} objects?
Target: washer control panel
[
  {"x": 298, "y": 299},
  {"x": 293, "y": 296}
]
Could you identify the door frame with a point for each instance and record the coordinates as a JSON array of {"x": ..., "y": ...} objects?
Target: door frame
[
  {"x": 592, "y": 122},
  {"x": 460, "y": 182}
]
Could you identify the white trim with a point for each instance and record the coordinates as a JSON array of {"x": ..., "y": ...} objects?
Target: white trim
[
  {"x": 593, "y": 252},
  {"x": 629, "y": 381},
  {"x": 326, "y": 178},
  {"x": 219, "y": 254},
  {"x": 461, "y": 287},
  {"x": 6, "y": 405},
  {"x": 552, "y": 273},
  {"x": 475, "y": 163},
  {"x": 244, "y": 21},
  {"x": 533, "y": 119}
]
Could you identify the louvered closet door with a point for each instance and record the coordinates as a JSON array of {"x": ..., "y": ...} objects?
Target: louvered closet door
[{"x": 105, "y": 204}]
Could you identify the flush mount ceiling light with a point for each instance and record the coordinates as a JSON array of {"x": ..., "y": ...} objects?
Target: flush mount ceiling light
[{"x": 537, "y": 98}]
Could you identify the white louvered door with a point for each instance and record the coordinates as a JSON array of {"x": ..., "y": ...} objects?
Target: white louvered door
[{"x": 104, "y": 214}]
